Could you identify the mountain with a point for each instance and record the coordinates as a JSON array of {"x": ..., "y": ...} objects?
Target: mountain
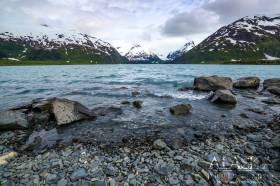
[
  {"x": 138, "y": 54},
  {"x": 248, "y": 39},
  {"x": 178, "y": 53},
  {"x": 56, "y": 46}
]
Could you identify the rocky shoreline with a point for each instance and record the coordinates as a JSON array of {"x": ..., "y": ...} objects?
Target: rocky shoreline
[{"x": 247, "y": 154}]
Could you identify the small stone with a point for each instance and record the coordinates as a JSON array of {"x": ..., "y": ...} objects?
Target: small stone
[
  {"x": 204, "y": 164},
  {"x": 52, "y": 178},
  {"x": 78, "y": 174},
  {"x": 276, "y": 165},
  {"x": 159, "y": 144},
  {"x": 173, "y": 180},
  {"x": 276, "y": 142},
  {"x": 62, "y": 182},
  {"x": 100, "y": 183},
  {"x": 254, "y": 138},
  {"x": 205, "y": 174},
  {"x": 178, "y": 158}
]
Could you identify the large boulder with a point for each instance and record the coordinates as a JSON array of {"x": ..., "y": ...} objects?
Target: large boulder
[
  {"x": 274, "y": 90},
  {"x": 67, "y": 111},
  {"x": 247, "y": 82},
  {"x": 181, "y": 109},
  {"x": 274, "y": 82},
  {"x": 13, "y": 120},
  {"x": 212, "y": 83},
  {"x": 223, "y": 96}
]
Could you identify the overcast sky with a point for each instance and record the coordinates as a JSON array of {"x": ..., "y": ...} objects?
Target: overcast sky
[{"x": 162, "y": 25}]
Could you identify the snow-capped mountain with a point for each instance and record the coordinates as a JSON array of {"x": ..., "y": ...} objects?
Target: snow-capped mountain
[
  {"x": 178, "y": 53},
  {"x": 137, "y": 54},
  {"x": 58, "y": 46},
  {"x": 249, "y": 38}
]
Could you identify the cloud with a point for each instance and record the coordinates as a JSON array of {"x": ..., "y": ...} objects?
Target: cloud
[
  {"x": 213, "y": 14},
  {"x": 189, "y": 23}
]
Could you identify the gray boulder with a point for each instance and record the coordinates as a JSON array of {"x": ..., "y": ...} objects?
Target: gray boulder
[
  {"x": 212, "y": 83},
  {"x": 274, "y": 90},
  {"x": 223, "y": 96},
  {"x": 13, "y": 120},
  {"x": 181, "y": 109},
  {"x": 247, "y": 82},
  {"x": 67, "y": 111},
  {"x": 274, "y": 82}
]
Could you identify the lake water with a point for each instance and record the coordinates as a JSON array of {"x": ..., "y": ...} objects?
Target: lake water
[
  {"x": 108, "y": 85},
  {"x": 104, "y": 84}
]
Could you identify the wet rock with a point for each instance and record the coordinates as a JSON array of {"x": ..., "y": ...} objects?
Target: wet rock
[
  {"x": 274, "y": 82},
  {"x": 67, "y": 111},
  {"x": 125, "y": 102},
  {"x": 183, "y": 89},
  {"x": 247, "y": 82},
  {"x": 137, "y": 104},
  {"x": 212, "y": 83},
  {"x": 181, "y": 109},
  {"x": 78, "y": 174},
  {"x": 272, "y": 101},
  {"x": 223, "y": 96},
  {"x": 13, "y": 120},
  {"x": 274, "y": 90},
  {"x": 159, "y": 144}
]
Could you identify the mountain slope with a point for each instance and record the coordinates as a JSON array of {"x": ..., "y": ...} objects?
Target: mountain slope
[
  {"x": 139, "y": 55},
  {"x": 247, "y": 39},
  {"x": 53, "y": 46},
  {"x": 178, "y": 53}
]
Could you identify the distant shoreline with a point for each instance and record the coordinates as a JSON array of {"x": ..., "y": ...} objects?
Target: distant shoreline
[{"x": 47, "y": 63}]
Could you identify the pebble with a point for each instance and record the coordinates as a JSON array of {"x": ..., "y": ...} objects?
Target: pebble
[{"x": 78, "y": 174}]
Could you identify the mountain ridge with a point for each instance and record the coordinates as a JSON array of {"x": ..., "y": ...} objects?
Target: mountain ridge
[
  {"x": 58, "y": 46},
  {"x": 249, "y": 38}
]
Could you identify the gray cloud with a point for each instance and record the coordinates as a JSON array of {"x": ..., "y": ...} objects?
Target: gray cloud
[{"x": 215, "y": 13}]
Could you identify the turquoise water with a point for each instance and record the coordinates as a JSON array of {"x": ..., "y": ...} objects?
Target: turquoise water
[{"x": 108, "y": 84}]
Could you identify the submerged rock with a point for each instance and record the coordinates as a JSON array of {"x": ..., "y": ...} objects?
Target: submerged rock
[
  {"x": 247, "y": 82},
  {"x": 273, "y": 82},
  {"x": 13, "y": 120},
  {"x": 272, "y": 101},
  {"x": 223, "y": 96},
  {"x": 137, "y": 104},
  {"x": 212, "y": 83},
  {"x": 181, "y": 109}
]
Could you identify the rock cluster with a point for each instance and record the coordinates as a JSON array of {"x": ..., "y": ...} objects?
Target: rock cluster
[{"x": 43, "y": 113}]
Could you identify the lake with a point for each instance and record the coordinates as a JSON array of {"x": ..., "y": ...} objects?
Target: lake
[{"x": 105, "y": 84}]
